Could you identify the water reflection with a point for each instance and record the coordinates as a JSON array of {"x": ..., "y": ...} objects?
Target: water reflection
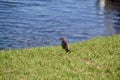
[
  {"x": 110, "y": 10},
  {"x": 30, "y": 23}
]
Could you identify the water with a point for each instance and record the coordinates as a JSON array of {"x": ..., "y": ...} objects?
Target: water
[{"x": 30, "y": 23}]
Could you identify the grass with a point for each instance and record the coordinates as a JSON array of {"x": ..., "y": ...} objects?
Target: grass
[{"x": 94, "y": 59}]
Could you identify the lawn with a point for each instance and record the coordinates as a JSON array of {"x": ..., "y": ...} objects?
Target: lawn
[{"x": 94, "y": 59}]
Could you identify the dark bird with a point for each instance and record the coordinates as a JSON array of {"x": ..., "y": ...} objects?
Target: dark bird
[{"x": 64, "y": 44}]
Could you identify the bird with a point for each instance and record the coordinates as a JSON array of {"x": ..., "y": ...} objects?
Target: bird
[{"x": 64, "y": 44}]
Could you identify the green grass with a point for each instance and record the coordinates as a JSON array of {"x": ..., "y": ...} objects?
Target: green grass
[{"x": 94, "y": 59}]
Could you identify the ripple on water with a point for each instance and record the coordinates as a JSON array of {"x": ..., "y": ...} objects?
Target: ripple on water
[{"x": 25, "y": 23}]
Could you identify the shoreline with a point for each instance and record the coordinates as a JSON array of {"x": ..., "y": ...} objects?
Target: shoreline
[{"x": 88, "y": 60}]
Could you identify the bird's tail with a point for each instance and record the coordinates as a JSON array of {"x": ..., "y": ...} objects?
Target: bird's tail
[{"x": 67, "y": 50}]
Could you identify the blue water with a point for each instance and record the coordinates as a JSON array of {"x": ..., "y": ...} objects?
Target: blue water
[{"x": 30, "y": 23}]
